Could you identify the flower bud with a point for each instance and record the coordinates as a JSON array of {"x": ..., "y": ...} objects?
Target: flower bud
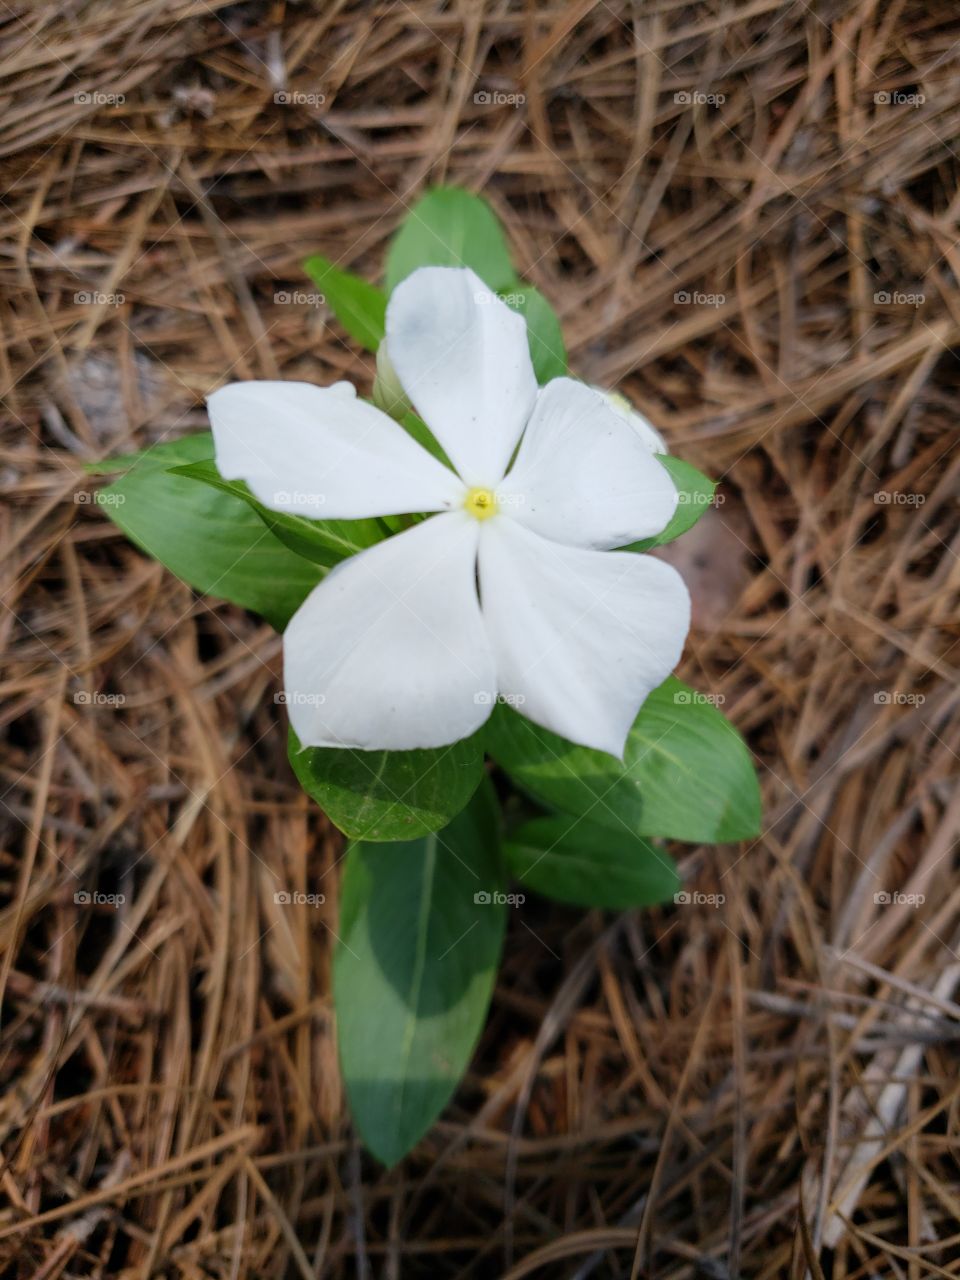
[
  {"x": 650, "y": 436},
  {"x": 388, "y": 392}
]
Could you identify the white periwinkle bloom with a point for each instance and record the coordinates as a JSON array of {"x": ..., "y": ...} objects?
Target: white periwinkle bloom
[{"x": 512, "y": 589}]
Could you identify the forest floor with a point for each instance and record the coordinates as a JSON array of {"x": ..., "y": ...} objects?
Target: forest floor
[{"x": 746, "y": 217}]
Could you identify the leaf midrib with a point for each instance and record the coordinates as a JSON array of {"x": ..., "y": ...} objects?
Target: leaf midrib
[{"x": 419, "y": 968}]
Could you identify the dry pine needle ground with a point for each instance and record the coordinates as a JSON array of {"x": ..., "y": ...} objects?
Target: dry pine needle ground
[{"x": 747, "y": 217}]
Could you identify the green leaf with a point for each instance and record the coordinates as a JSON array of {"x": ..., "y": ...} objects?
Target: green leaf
[
  {"x": 360, "y": 307},
  {"x": 696, "y": 494},
  {"x": 123, "y": 462},
  {"x": 210, "y": 539},
  {"x": 326, "y": 542},
  {"x": 547, "y": 351},
  {"x": 686, "y": 773},
  {"x": 413, "y": 972},
  {"x": 577, "y": 861},
  {"x": 389, "y": 795},
  {"x": 449, "y": 227}
]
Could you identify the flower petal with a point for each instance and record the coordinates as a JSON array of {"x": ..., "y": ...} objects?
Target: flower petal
[
  {"x": 583, "y": 476},
  {"x": 389, "y": 652},
  {"x": 645, "y": 429},
  {"x": 321, "y": 452},
  {"x": 580, "y": 637},
  {"x": 463, "y": 359}
]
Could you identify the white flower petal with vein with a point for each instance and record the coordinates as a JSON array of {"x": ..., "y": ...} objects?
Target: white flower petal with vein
[
  {"x": 581, "y": 637},
  {"x": 462, "y": 357},
  {"x": 583, "y": 475},
  {"x": 315, "y": 451},
  {"x": 390, "y": 649},
  {"x": 513, "y": 588}
]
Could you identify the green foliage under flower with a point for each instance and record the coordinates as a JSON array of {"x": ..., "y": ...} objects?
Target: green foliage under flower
[{"x": 425, "y": 893}]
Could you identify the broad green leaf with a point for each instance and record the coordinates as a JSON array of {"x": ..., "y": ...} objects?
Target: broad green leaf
[
  {"x": 360, "y": 307},
  {"x": 326, "y": 542},
  {"x": 449, "y": 227},
  {"x": 210, "y": 539},
  {"x": 547, "y": 351},
  {"x": 686, "y": 772},
  {"x": 578, "y": 861},
  {"x": 389, "y": 795},
  {"x": 124, "y": 461},
  {"x": 695, "y": 492},
  {"x": 421, "y": 931}
]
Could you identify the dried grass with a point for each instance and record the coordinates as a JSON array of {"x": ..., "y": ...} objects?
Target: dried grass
[{"x": 764, "y": 1089}]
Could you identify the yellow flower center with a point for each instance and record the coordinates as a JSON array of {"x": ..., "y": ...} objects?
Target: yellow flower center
[{"x": 481, "y": 503}]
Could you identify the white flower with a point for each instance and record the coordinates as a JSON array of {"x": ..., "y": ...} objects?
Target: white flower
[{"x": 512, "y": 590}]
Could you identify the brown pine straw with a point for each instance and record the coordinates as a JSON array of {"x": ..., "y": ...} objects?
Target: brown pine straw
[{"x": 764, "y": 1088}]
